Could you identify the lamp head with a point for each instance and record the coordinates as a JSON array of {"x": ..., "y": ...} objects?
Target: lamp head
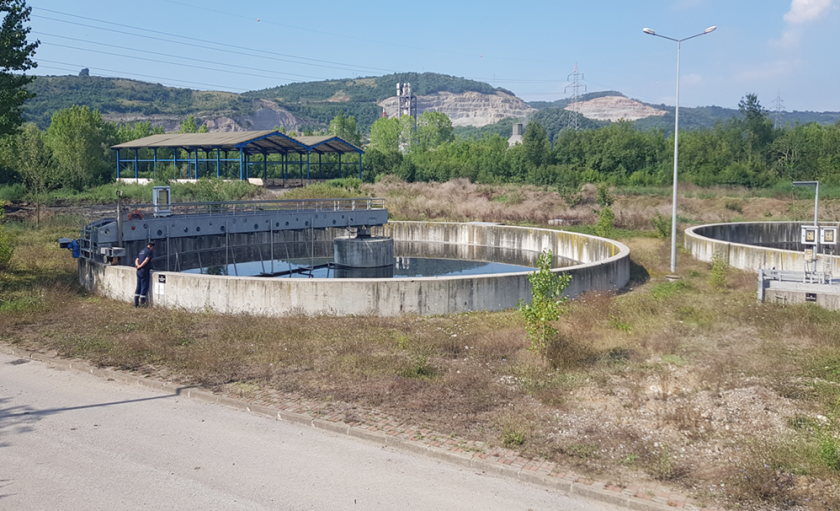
[
  {"x": 710, "y": 29},
  {"x": 651, "y": 32}
]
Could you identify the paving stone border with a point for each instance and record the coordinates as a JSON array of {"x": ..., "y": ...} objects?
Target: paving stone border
[{"x": 383, "y": 430}]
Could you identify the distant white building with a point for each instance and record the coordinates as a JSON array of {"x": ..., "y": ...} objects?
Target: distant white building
[{"x": 516, "y": 138}]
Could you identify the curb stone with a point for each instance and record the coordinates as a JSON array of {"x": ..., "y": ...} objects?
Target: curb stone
[{"x": 505, "y": 464}]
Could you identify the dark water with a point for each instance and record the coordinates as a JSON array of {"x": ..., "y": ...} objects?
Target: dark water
[
  {"x": 414, "y": 259},
  {"x": 404, "y": 267}
]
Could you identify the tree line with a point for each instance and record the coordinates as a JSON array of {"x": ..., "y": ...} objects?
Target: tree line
[{"x": 743, "y": 151}]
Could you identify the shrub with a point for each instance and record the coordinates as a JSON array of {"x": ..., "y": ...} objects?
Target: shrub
[
  {"x": 546, "y": 304},
  {"x": 570, "y": 195},
  {"x": 603, "y": 196},
  {"x": 606, "y": 223},
  {"x": 719, "y": 271},
  {"x": 734, "y": 206},
  {"x": 662, "y": 225}
]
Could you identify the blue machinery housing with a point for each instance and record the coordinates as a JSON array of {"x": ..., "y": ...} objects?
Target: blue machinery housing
[{"x": 250, "y": 148}]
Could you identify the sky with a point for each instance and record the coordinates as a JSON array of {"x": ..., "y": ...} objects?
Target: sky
[{"x": 788, "y": 49}]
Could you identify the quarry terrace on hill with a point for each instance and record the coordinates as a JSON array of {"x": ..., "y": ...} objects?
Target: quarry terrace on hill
[{"x": 467, "y": 109}]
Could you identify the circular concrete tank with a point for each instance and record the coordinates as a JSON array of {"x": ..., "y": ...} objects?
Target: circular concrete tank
[
  {"x": 602, "y": 265},
  {"x": 364, "y": 252}
]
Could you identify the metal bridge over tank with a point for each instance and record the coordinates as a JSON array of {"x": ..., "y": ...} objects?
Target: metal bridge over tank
[{"x": 117, "y": 233}]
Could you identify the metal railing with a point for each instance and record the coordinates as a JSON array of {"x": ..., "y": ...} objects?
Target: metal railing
[
  {"x": 91, "y": 214},
  {"x": 806, "y": 277}
]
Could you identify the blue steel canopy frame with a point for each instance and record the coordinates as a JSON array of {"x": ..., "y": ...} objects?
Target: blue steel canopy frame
[{"x": 247, "y": 143}]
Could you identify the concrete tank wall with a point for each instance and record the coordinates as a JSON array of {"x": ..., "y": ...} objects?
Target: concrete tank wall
[
  {"x": 754, "y": 245},
  {"x": 606, "y": 267}
]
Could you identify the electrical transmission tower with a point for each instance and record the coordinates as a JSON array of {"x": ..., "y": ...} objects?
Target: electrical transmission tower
[
  {"x": 777, "y": 115},
  {"x": 408, "y": 106},
  {"x": 576, "y": 88}
]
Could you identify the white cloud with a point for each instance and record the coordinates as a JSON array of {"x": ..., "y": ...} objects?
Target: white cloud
[
  {"x": 803, "y": 11},
  {"x": 789, "y": 39}
]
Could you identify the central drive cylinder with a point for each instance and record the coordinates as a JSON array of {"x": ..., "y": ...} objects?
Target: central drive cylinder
[{"x": 364, "y": 252}]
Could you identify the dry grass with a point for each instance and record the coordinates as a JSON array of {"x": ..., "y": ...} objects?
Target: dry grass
[{"x": 735, "y": 402}]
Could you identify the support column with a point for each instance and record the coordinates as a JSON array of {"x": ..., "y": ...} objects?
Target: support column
[
  {"x": 241, "y": 164},
  {"x": 195, "y": 159},
  {"x": 218, "y": 163},
  {"x": 319, "y": 166},
  {"x": 118, "y": 164},
  {"x": 307, "y": 165},
  {"x": 339, "y": 165},
  {"x": 154, "y": 166},
  {"x": 136, "y": 163},
  {"x": 175, "y": 162},
  {"x": 265, "y": 168},
  {"x": 360, "y": 165}
]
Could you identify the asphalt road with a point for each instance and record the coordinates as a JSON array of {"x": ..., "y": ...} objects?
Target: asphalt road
[{"x": 70, "y": 441}]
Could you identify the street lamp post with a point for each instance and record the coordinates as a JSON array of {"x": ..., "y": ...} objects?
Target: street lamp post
[{"x": 676, "y": 139}]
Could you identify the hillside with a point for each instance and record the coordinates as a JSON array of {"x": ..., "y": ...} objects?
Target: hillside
[
  {"x": 125, "y": 97},
  {"x": 294, "y": 106},
  {"x": 475, "y": 107}
]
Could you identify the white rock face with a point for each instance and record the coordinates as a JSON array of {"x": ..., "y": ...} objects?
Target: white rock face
[
  {"x": 615, "y": 108},
  {"x": 266, "y": 116},
  {"x": 467, "y": 109}
]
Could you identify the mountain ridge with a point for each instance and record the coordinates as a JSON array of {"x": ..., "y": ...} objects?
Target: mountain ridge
[{"x": 311, "y": 105}]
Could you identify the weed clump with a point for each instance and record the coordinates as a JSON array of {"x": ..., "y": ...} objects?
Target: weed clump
[{"x": 513, "y": 438}]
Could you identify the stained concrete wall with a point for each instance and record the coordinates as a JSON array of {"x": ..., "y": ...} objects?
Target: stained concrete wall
[
  {"x": 750, "y": 245},
  {"x": 606, "y": 267}
]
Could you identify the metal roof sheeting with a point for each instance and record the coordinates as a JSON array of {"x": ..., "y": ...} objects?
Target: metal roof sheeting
[{"x": 251, "y": 142}]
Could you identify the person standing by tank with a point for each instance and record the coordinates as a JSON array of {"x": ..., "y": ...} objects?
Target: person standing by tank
[{"x": 143, "y": 263}]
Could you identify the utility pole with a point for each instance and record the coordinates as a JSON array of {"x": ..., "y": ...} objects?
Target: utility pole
[
  {"x": 777, "y": 115},
  {"x": 576, "y": 88}
]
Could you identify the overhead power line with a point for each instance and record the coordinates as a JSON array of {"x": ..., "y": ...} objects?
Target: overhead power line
[
  {"x": 177, "y": 56},
  {"x": 333, "y": 34},
  {"x": 123, "y": 74},
  {"x": 156, "y": 60},
  {"x": 259, "y": 53}
]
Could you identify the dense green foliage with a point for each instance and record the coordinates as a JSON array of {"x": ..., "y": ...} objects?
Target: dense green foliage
[
  {"x": 743, "y": 151},
  {"x": 345, "y": 128},
  {"x": 15, "y": 59}
]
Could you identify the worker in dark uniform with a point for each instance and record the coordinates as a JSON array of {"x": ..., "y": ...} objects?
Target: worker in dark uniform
[{"x": 143, "y": 263}]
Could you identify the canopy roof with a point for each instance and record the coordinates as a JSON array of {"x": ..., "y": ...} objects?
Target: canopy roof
[{"x": 250, "y": 142}]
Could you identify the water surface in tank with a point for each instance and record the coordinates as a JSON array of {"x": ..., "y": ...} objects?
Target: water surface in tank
[{"x": 412, "y": 260}]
